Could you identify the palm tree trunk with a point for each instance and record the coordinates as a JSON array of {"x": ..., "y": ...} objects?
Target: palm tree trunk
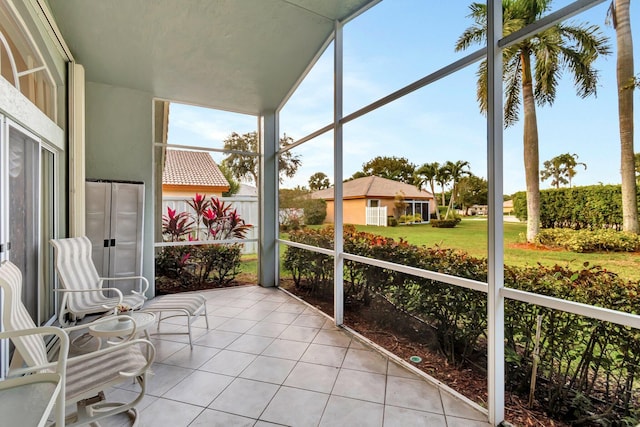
[
  {"x": 531, "y": 157},
  {"x": 435, "y": 200},
  {"x": 625, "y": 112}
]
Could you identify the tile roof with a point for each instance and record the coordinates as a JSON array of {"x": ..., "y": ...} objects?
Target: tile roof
[
  {"x": 374, "y": 187},
  {"x": 195, "y": 168}
]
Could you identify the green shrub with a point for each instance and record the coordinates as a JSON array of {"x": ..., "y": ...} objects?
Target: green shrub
[
  {"x": 589, "y": 241},
  {"x": 315, "y": 211},
  {"x": 410, "y": 219},
  {"x": 444, "y": 223},
  {"x": 391, "y": 221},
  {"x": 291, "y": 219}
]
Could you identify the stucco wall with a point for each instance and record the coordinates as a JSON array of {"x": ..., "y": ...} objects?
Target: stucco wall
[
  {"x": 118, "y": 146},
  {"x": 353, "y": 212}
]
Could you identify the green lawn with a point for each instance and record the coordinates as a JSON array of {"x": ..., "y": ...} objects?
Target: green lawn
[{"x": 471, "y": 236}]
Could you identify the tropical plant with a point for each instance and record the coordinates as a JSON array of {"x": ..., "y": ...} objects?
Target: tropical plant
[
  {"x": 176, "y": 225},
  {"x": 197, "y": 265},
  {"x": 426, "y": 174},
  {"x": 245, "y": 166},
  {"x": 531, "y": 73},
  {"x": 619, "y": 17},
  {"x": 457, "y": 170}
]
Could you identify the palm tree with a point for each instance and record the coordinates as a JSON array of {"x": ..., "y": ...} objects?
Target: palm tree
[
  {"x": 618, "y": 15},
  {"x": 443, "y": 178},
  {"x": 562, "y": 169},
  {"x": 533, "y": 67},
  {"x": 427, "y": 173},
  {"x": 571, "y": 161},
  {"x": 456, "y": 172}
]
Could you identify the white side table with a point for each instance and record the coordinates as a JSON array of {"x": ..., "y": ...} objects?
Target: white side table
[{"x": 119, "y": 327}]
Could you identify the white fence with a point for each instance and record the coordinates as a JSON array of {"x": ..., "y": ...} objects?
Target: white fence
[
  {"x": 247, "y": 208},
  {"x": 376, "y": 216}
]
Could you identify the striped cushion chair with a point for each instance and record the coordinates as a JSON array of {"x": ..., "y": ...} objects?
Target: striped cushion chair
[
  {"x": 87, "y": 375},
  {"x": 83, "y": 291}
]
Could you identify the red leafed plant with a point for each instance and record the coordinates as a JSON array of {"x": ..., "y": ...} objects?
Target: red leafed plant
[{"x": 199, "y": 265}]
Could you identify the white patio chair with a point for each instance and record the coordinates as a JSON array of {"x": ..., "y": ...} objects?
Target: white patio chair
[
  {"x": 87, "y": 375},
  {"x": 83, "y": 291},
  {"x": 28, "y": 399}
]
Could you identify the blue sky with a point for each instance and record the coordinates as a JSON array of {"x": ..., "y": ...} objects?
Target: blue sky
[{"x": 396, "y": 43}]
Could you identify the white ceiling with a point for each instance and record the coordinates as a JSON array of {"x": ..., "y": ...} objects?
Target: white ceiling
[{"x": 237, "y": 55}]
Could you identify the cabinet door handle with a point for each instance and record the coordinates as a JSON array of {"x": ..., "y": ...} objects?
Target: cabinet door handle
[
  {"x": 106, "y": 243},
  {"x": 113, "y": 242}
]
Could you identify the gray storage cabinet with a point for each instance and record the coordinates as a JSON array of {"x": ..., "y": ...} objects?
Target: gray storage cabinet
[{"x": 114, "y": 224}]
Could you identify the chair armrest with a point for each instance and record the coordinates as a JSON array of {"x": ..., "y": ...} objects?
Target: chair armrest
[
  {"x": 61, "y": 364},
  {"x": 149, "y": 355},
  {"x": 116, "y": 290},
  {"x": 143, "y": 289}
]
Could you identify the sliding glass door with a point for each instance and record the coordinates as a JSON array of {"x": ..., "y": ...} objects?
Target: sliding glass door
[{"x": 28, "y": 215}]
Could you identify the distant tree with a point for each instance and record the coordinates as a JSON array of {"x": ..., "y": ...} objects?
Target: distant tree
[
  {"x": 472, "y": 190},
  {"x": 561, "y": 169},
  {"x": 426, "y": 174},
  {"x": 457, "y": 170},
  {"x": 292, "y": 197},
  {"x": 234, "y": 186},
  {"x": 442, "y": 178},
  {"x": 553, "y": 169},
  {"x": 637, "y": 162},
  {"x": 571, "y": 161},
  {"x": 531, "y": 73},
  {"x": 400, "y": 205},
  {"x": 319, "y": 181},
  {"x": 246, "y": 167},
  {"x": 620, "y": 18},
  {"x": 395, "y": 168}
]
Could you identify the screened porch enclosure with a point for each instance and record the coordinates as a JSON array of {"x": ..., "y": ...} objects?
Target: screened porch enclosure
[{"x": 252, "y": 58}]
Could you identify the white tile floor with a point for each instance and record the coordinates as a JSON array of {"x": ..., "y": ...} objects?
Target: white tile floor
[{"x": 269, "y": 360}]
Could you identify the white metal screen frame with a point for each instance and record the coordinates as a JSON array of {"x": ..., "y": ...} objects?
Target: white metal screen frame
[{"x": 496, "y": 292}]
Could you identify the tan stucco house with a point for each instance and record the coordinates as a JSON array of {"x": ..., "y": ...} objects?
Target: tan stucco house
[
  {"x": 186, "y": 173},
  {"x": 376, "y": 192}
]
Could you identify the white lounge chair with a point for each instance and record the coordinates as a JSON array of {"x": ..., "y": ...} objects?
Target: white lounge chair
[
  {"x": 83, "y": 291},
  {"x": 87, "y": 375}
]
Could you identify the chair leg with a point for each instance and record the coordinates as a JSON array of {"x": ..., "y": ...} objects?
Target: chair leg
[{"x": 206, "y": 317}]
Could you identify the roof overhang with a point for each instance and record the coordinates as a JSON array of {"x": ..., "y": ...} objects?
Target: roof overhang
[{"x": 238, "y": 55}]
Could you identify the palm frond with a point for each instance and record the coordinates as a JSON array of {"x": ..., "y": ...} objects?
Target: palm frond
[
  {"x": 481, "y": 91},
  {"x": 512, "y": 88},
  {"x": 471, "y": 36}
]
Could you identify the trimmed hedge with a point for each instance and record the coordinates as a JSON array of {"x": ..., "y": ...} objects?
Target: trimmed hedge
[
  {"x": 589, "y": 207},
  {"x": 444, "y": 223},
  {"x": 586, "y": 366},
  {"x": 589, "y": 241}
]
